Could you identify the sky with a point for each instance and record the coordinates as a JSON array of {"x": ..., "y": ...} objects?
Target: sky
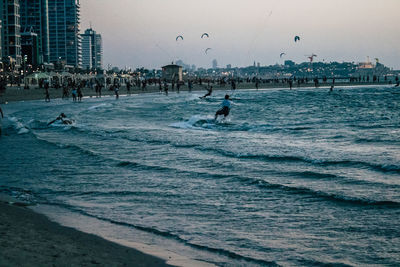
[{"x": 142, "y": 33}]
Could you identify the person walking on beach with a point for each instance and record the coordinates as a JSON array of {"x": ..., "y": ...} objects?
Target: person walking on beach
[{"x": 226, "y": 107}]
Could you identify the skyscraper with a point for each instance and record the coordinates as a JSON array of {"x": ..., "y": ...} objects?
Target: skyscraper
[
  {"x": 214, "y": 64},
  {"x": 92, "y": 50},
  {"x": 64, "y": 24},
  {"x": 11, "y": 36},
  {"x": 30, "y": 48},
  {"x": 86, "y": 51},
  {"x": 35, "y": 19}
]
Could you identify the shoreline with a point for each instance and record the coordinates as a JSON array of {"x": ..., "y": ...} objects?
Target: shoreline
[
  {"x": 14, "y": 94},
  {"x": 29, "y": 234},
  {"x": 30, "y": 237}
]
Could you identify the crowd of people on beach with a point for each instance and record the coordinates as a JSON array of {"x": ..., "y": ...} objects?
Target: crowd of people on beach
[{"x": 75, "y": 88}]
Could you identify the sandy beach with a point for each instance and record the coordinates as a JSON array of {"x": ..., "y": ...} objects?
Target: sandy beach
[{"x": 30, "y": 239}]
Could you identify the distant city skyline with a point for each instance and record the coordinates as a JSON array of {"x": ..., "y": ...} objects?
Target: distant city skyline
[{"x": 142, "y": 33}]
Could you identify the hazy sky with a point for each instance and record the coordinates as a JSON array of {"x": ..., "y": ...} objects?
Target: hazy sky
[{"x": 140, "y": 33}]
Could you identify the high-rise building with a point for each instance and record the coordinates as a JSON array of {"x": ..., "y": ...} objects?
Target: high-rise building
[
  {"x": 87, "y": 62},
  {"x": 64, "y": 24},
  {"x": 30, "y": 48},
  {"x": 214, "y": 64},
  {"x": 92, "y": 50},
  {"x": 11, "y": 36},
  {"x": 99, "y": 52},
  {"x": 35, "y": 19}
]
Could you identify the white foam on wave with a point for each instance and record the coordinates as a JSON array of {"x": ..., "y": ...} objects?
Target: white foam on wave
[
  {"x": 13, "y": 122},
  {"x": 61, "y": 124},
  {"x": 196, "y": 121},
  {"x": 99, "y": 106}
]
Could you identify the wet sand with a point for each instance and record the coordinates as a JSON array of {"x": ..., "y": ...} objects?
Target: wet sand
[{"x": 30, "y": 239}]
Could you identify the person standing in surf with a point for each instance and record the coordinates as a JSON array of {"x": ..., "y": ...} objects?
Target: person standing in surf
[
  {"x": 226, "y": 108},
  {"x": 116, "y": 91},
  {"x": 46, "y": 88}
]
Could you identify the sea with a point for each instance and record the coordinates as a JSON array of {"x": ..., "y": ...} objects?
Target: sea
[{"x": 303, "y": 177}]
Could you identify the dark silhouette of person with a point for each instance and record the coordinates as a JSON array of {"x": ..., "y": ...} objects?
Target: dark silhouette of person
[
  {"x": 63, "y": 118},
  {"x": 128, "y": 87},
  {"x": 47, "y": 97},
  {"x": 80, "y": 95},
  {"x": 190, "y": 85},
  {"x": 116, "y": 91},
  {"x": 209, "y": 92},
  {"x": 166, "y": 88},
  {"x": 46, "y": 87}
]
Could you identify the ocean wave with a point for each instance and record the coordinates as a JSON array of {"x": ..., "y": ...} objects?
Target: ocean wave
[
  {"x": 293, "y": 158},
  {"x": 375, "y": 140},
  {"x": 25, "y": 195},
  {"x": 116, "y": 162},
  {"x": 111, "y": 193},
  {"x": 350, "y": 163},
  {"x": 247, "y": 180},
  {"x": 308, "y": 262},
  {"x": 304, "y": 174},
  {"x": 70, "y": 146},
  {"x": 324, "y": 195},
  {"x": 316, "y": 175}
]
